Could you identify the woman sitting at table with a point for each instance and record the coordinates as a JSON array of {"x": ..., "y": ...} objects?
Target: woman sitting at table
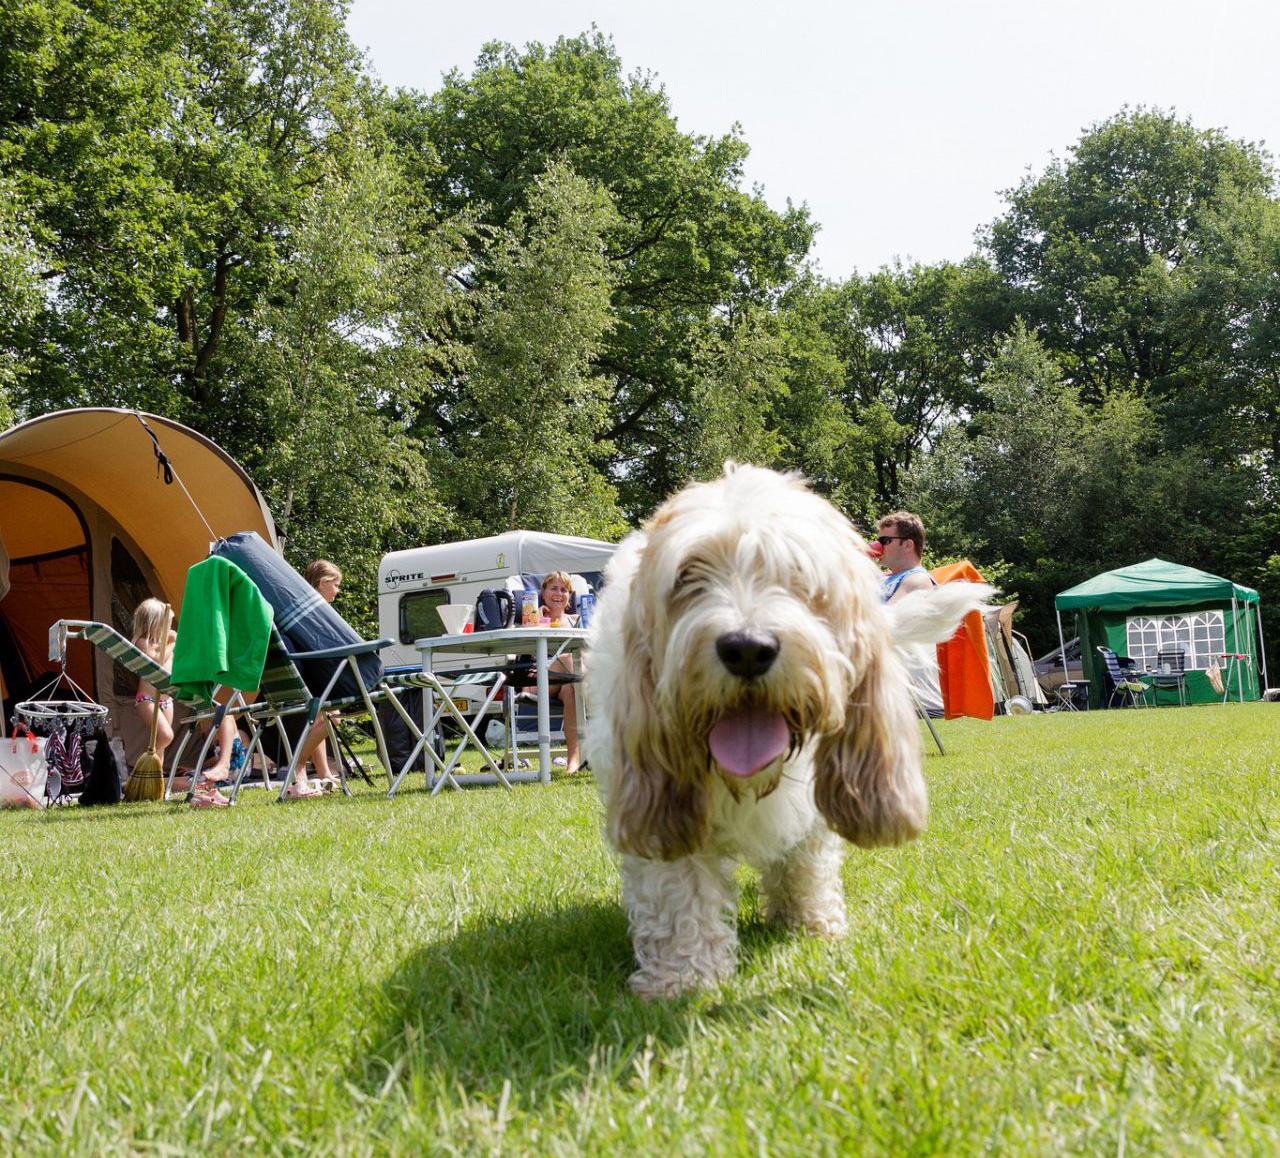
[{"x": 557, "y": 591}]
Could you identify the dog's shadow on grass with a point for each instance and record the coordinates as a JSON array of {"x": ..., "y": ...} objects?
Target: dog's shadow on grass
[{"x": 539, "y": 1001}]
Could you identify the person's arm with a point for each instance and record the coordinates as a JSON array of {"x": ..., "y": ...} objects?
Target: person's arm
[{"x": 913, "y": 582}]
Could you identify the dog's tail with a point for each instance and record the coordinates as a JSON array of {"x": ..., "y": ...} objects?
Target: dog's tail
[{"x": 932, "y": 614}]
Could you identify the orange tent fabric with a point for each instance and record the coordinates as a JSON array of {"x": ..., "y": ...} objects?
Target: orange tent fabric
[{"x": 964, "y": 671}]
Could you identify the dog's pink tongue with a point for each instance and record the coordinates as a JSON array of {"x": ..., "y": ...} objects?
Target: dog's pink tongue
[{"x": 744, "y": 742}]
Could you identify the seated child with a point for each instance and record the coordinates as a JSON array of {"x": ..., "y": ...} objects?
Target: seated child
[{"x": 149, "y": 636}]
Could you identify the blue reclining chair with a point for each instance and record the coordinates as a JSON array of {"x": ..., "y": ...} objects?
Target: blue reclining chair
[
  {"x": 1123, "y": 685},
  {"x": 317, "y": 664}
]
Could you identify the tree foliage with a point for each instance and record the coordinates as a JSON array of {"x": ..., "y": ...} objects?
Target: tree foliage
[
  {"x": 1058, "y": 490},
  {"x": 529, "y": 299},
  {"x": 1137, "y": 260},
  {"x": 686, "y": 243},
  {"x": 524, "y": 448},
  {"x": 164, "y": 153}
]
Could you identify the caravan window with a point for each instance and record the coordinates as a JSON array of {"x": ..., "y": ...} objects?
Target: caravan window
[
  {"x": 1200, "y": 637},
  {"x": 418, "y": 618}
]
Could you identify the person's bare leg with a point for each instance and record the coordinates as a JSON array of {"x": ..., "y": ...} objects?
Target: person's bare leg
[
  {"x": 573, "y": 757},
  {"x": 220, "y": 769},
  {"x": 320, "y": 761},
  {"x": 311, "y": 744},
  {"x": 164, "y": 726},
  {"x": 164, "y": 731}
]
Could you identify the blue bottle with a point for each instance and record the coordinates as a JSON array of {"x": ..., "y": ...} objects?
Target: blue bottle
[{"x": 586, "y": 608}]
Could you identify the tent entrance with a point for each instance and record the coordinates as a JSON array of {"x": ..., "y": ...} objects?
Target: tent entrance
[{"x": 50, "y": 578}]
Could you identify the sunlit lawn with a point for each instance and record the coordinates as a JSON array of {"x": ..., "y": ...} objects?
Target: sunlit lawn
[{"x": 1080, "y": 957}]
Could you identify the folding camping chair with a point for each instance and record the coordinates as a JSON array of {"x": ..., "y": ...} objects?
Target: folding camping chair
[
  {"x": 503, "y": 680},
  {"x": 1123, "y": 684},
  {"x": 318, "y": 664},
  {"x": 1171, "y": 672},
  {"x": 288, "y": 695},
  {"x": 134, "y": 660}
]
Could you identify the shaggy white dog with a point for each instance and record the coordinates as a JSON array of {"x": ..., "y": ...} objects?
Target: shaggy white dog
[{"x": 746, "y": 703}]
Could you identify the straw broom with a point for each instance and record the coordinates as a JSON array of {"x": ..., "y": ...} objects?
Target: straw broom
[{"x": 146, "y": 781}]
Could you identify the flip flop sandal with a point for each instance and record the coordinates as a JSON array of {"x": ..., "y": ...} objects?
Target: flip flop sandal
[
  {"x": 211, "y": 799},
  {"x": 303, "y": 791}
]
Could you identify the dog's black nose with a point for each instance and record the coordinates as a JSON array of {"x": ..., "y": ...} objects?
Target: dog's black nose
[{"x": 747, "y": 654}]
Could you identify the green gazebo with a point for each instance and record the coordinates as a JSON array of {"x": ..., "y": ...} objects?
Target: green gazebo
[{"x": 1158, "y": 606}]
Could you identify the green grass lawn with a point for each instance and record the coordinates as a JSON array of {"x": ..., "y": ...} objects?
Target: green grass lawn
[{"x": 1079, "y": 957}]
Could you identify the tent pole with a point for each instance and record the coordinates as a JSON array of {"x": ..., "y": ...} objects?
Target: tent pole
[
  {"x": 1262, "y": 647},
  {"x": 1235, "y": 641},
  {"x": 1062, "y": 651}
]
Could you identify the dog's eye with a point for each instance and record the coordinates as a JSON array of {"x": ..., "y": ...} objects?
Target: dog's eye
[{"x": 688, "y": 578}]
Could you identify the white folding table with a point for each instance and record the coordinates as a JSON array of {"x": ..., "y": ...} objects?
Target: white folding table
[{"x": 546, "y": 644}]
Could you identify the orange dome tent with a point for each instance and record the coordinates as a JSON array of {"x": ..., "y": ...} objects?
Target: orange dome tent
[{"x": 89, "y": 527}]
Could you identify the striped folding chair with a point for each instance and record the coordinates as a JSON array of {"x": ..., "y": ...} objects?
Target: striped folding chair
[{"x": 124, "y": 652}]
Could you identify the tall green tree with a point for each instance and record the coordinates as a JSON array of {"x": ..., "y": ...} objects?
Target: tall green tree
[
  {"x": 1056, "y": 490},
  {"x": 1136, "y": 260},
  {"x": 1146, "y": 260},
  {"x": 524, "y": 447},
  {"x": 341, "y": 473},
  {"x": 19, "y": 292},
  {"x": 909, "y": 343},
  {"x": 818, "y": 436},
  {"x": 686, "y": 242},
  {"x": 164, "y": 153}
]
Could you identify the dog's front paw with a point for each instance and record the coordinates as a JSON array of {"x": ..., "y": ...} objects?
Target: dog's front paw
[
  {"x": 827, "y": 921},
  {"x": 825, "y": 924},
  {"x": 663, "y": 984}
]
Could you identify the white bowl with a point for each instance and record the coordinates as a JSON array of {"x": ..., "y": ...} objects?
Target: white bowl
[{"x": 1017, "y": 705}]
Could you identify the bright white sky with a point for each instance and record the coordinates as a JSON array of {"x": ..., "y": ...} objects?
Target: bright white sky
[{"x": 900, "y": 121}]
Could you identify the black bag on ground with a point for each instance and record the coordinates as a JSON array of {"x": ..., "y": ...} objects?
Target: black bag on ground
[{"x": 104, "y": 775}]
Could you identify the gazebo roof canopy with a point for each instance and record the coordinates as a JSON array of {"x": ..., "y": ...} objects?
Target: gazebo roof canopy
[{"x": 1153, "y": 583}]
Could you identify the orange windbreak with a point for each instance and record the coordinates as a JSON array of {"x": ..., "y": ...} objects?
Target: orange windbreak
[{"x": 963, "y": 671}]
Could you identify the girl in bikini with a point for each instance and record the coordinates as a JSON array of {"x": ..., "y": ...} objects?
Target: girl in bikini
[{"x": 149, "y": 636}]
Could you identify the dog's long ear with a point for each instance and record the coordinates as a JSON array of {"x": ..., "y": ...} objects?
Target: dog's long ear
[
  {"x": 657, "y": 805},
  {"x": 867, "y": 777}
]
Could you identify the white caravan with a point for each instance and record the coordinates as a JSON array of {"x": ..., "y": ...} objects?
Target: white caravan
[{"x": 413, "y": 583}]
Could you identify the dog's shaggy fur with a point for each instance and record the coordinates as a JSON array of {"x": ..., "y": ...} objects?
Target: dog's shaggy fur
[{"x": 747, "y": 604}]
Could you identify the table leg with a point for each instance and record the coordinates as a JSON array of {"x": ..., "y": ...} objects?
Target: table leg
[
  {"x": 579, "y": 703},
  {"x": 544, "y": 714}
]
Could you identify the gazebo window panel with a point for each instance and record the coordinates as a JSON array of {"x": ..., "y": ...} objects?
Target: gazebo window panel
[
  {"x": 1143, "y": 639},
  {"x": 1200, "y": 637}
]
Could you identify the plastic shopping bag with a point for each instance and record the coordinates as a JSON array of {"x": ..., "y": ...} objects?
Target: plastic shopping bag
[{"x": 23, "y": 770}]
